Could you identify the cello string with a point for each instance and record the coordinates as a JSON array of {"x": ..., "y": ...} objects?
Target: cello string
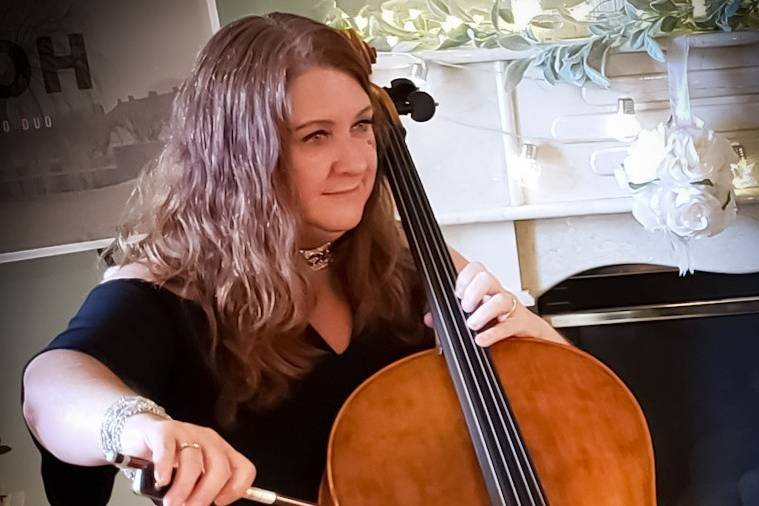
[
  {"x": 396, "y": 146},
  {"x": 485, "y": 364},
  {"x": 501, "y": 404},
  {"x": 452, "y": 303},
  {"x": 453, "y": 306},
  {"x": 457, "y": 364},
  {"x": 483, "y": 360},
  {"x": 404, "y": 206}
]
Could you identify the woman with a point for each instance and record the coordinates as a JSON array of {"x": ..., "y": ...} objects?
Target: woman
[{"x": 270, "y": 282}]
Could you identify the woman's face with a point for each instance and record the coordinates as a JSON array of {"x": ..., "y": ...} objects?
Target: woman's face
[{"x": 332, "y": 152}]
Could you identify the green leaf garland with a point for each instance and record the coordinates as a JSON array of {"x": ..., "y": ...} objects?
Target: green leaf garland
[{"x": 419, "y": 25}]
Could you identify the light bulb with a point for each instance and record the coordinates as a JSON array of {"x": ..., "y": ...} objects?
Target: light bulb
[
  {"x": 527, "y": 169},
  {"x": 739, "y": 150},
  {"x": 625, "y": 126},
  {"x": 418, "y": 74},
  {"x": 743, "y": 171},
  {"x": 400, "y": 65}
]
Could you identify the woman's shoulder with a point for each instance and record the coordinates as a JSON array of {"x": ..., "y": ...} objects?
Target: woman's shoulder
[
  {"x": 136, "y": 328},
  {"x": 138, "y": 274},
  {"x": 127, "y": 308},
  {"x": 127, "y": 286},
  {"x": 128, "y": 271}
]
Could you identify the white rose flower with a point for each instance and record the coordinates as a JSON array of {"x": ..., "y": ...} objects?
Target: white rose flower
[
  {"x": 621, "y": 178},
  {"x": 647, "y": 208},
  {"x": 687, "y": 211},
  {"x": 680, "y": 180},
  {"x": 693, "y": 155},
  {"x": 644, "y": 156},
  {"x": 692, "y": 213}
]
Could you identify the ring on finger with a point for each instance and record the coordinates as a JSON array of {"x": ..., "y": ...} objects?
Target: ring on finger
[
  {"x": 511, "y": 310},
  {"x": 195, "y": 446}
]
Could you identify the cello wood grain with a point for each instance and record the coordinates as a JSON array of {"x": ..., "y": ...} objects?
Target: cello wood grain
[{"x": 401, "y": 439}]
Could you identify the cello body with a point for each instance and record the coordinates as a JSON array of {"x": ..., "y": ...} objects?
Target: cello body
[{"x": 401, "y": 438}]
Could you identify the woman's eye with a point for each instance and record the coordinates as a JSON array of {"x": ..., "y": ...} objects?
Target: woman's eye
[
  {"x": 364, "y": 125},
  {"x": 316, "y": 136}
]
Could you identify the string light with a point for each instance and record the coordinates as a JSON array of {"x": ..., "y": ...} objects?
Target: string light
[
  {"x": 403, "y": 65},
  {"x": 739, "y": 150},
  {"x": 526, "y": 167},
  {"x": 625, "y": 126},
  {"x": 743, "y": 171}
]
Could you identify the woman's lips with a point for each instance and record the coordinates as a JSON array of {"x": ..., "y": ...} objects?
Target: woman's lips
[{"x": 343, "y": 192}]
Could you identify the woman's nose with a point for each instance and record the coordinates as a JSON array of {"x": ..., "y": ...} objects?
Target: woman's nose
[{"x": 353, "y": 156}]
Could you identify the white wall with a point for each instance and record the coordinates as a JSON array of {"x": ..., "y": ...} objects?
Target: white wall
[{"x": 37, "y": 299}]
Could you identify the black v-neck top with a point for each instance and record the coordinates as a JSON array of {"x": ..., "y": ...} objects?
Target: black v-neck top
[{"x": 154, "y": 341}]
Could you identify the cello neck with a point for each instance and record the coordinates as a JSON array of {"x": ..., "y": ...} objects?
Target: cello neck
[{"x": 507, "y": 469}]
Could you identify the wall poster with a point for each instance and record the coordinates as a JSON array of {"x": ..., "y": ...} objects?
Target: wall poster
[{"x": 86, "y": 88}]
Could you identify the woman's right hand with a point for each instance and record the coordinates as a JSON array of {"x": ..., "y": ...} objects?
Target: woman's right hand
[{"x": 215, "y": 473}]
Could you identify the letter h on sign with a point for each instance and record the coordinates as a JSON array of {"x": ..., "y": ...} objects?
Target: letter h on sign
[{"x": 50, "y": 64}]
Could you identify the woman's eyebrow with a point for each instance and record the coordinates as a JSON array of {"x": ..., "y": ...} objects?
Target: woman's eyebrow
[
  {"x": 363, "y": 111},
  {"x": 312, "y": 122}
]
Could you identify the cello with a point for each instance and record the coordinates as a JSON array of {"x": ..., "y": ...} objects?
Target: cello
[{"x": 524, "y": 422}]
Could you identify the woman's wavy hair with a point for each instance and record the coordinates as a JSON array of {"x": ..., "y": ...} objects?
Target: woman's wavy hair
[{"x": 220, "y": 219}]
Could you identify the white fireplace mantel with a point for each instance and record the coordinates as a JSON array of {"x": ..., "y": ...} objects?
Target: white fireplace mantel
[{"x": 577, "y": 217}]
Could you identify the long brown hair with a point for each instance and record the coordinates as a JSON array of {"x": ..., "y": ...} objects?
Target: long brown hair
[{"x": 220, "y": 218}]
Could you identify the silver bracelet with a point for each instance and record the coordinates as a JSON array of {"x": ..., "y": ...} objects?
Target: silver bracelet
[{"x": 116, "y": 416}]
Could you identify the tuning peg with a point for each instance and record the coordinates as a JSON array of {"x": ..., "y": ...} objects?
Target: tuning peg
[{"x": 422, "y": 106}]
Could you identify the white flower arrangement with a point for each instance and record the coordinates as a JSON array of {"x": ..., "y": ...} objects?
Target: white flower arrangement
[
  {"x": 681, "y": 181},
  {"x": 681, "y": 174}
]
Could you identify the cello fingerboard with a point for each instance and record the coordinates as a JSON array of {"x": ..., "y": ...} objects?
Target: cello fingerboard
[{"x": 506, "y": 466}]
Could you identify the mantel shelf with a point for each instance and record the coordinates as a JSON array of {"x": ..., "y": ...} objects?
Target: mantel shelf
[
  {"x": 619, "y": 205},
  {"x": 568, "y": 209}
]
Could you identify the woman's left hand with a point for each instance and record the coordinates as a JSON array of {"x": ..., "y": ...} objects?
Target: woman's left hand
[{"x": 487, "y": 301}]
